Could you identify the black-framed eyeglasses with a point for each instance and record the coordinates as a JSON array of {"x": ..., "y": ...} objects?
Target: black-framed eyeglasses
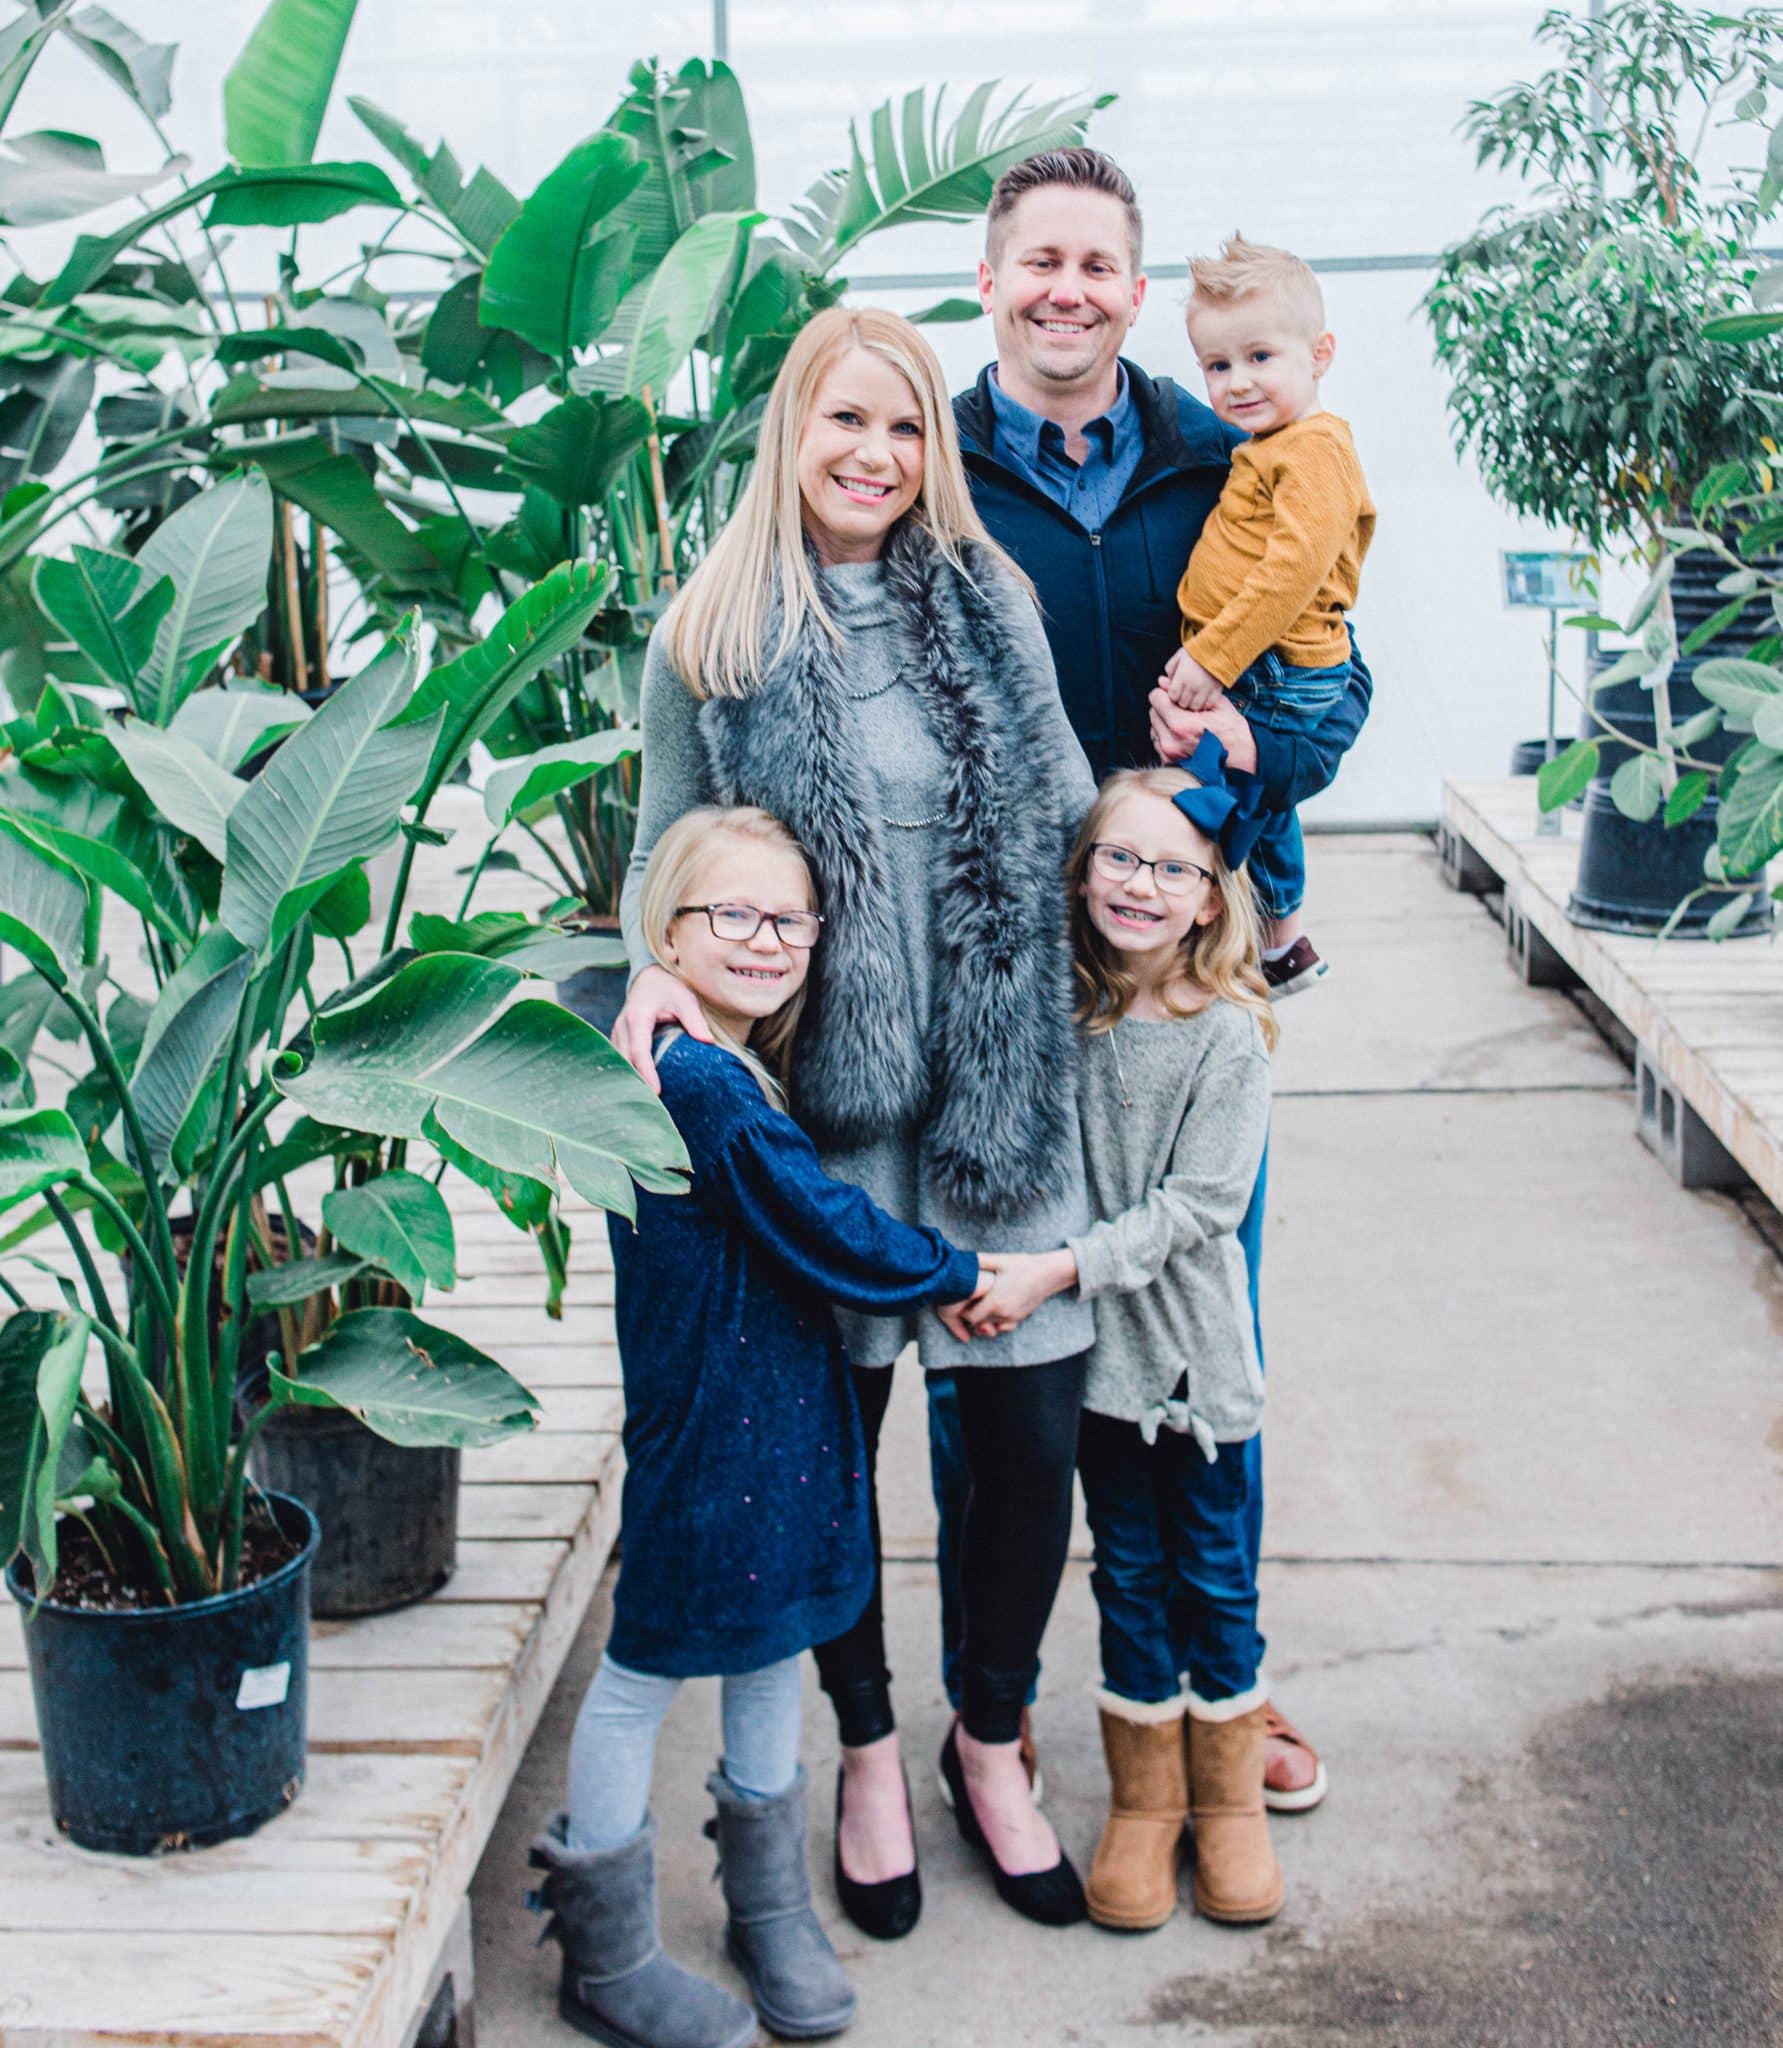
[
  {"x": 1121, "y": 864},
  {"x": 739, "y": 923}
]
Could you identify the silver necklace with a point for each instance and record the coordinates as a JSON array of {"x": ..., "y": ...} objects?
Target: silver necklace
[
  {"x": 866, "y": 697},
  {"x": 1119, "y": 1070}
]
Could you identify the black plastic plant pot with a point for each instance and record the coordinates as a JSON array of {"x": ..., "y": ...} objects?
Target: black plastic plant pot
[
  {"x": 597, "y": 995},
  {"x": 1527, "y": 756},
  {"x": 1633, "y": 875},
  {"x": 389, "y": 1514},
  {"x": 175, "y": 1727}
]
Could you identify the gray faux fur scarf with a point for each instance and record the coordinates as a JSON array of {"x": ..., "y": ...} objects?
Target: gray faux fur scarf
[{"x": 995, "y": 1082}]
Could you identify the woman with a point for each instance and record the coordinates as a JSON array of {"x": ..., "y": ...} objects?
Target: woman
[{"x": 858, "y": 658}]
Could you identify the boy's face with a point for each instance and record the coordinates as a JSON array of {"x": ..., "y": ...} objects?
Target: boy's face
[
  {"x": 1063, "y": 291},
  {"x": 1261, "y": 364}
]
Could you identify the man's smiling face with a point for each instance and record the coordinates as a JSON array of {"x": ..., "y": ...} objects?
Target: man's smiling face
[{"x": 1062, "y": 290}]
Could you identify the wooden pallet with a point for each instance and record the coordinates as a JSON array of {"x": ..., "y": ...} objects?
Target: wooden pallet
[
  {"x": 331, "y": 1926},
  {"x": 1708, "y": 1019}
]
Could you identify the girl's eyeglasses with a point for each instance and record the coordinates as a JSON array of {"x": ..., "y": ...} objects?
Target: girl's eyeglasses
[
  {"x": 1121, "y": 864},
  {"x": 739, "y": 923}
]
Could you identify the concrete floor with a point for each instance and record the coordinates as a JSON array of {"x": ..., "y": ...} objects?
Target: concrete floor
[{"x": 1522, "y": 1582}]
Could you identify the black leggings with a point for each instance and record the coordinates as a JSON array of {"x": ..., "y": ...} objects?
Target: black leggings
[{"x": 1019, "y": 1426}]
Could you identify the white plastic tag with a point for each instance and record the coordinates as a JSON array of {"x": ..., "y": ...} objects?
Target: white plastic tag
[{"x": 265, "y": 1686}]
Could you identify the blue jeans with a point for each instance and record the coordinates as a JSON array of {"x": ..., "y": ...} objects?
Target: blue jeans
[
  {"x": 1288, "y": 700},
  {"x": 1233, "y": 1489}
]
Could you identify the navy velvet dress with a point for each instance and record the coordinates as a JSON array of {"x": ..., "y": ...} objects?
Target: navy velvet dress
[{"x": 746, "y": 1533}]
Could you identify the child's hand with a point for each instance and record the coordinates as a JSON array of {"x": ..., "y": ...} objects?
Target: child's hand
[
  {"x": 1023, "y": 1281},
  {"x": 953, "y": 1313},
  {"x": 1188, "y": 685}
]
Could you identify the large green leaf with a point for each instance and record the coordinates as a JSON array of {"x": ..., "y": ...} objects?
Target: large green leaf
[
  {"x": 21, "y": 42},
  {"x": 667, "y": 311},
  {"x": 107, "y": 838},
  {"x": 921, "y": 172},
  {"x": 246, "y": 198},
  {"x": 556, "y": 275},
  {"x": 300, "y": 1280},
  {"x": 41, "y": 1356},
  {"x": 692, "y": 132},
  {"x": 479, "y": 210},
  {"x": 512, "y": 937},
  {"x": 330, "y": 795},
  {"x": 517, "y": 786},
  {"x": 216, "y": 548},
  {"x": 181, "y": 780},
  {"x": 109, "y": 605},
  {"x": 238, "y": 720},
  {"x": 529, "y": 1088},
  {"x": 1749, "y": 825},
  {"x": 400, "y": 1222},
  {"x": 525, "y": 1202},
  {"x": 338, "y": 492},
  {"x": 43, "y": 906},
  {"x": 38, "y": 1149},
  {"x": 55, "y": 176},
  {"x": 277, "y": 90},
  {"x": 469, "y": 694},
  {"x": 576, "y": 450},
  {"x": 409, "y": 1382},
  {"x": 170, "y": 1079},
  {"x": 142, "y": 69}
]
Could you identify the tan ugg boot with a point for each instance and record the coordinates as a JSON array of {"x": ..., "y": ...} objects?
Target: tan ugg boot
[
  {"x": 1133, "y": 1879},
  {"x": 1236, "y": 1875}
]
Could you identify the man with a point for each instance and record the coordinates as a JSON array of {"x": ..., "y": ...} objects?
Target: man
[{"x": 1097, "y": 479}]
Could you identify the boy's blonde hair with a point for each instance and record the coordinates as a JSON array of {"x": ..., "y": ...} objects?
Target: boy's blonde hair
[
  {"x": 1244, "y": 270},
  {"x": 672, "y": 870},
  {"x": 1222, "y": 958},
  {"x": 717, "y": 627}
]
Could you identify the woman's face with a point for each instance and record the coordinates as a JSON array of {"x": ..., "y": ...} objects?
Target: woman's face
[
  {"x": 741, "y": 981},
  {"x": 1142, "y": 921},
  {"x": 860, "y": 457}
]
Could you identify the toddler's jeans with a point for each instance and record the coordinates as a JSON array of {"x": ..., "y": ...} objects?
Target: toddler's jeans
[
  {"x": 1270, "y": 693},
  {"x": 613, "y": 1749},
  {"x": 1175, "y": 1590}
]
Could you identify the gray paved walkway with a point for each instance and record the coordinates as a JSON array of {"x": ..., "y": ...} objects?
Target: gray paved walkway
[{"x": 1521, "y": 1583}]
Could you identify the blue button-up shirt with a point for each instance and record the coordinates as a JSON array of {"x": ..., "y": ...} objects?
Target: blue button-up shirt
[{"x": 1034, "y": 447}]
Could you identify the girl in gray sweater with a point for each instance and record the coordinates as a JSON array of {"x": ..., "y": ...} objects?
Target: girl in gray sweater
[{"x": 1174, "y": 1105}]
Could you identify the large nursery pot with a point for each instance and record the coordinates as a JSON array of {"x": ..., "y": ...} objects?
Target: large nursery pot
[
  {"x": 174, "y": 1727},
  {"x": 388, "y": 1513},
  {"x": 1633, "y": 874}
]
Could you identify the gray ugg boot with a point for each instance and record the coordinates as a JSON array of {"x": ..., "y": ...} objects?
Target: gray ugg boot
[
  {"x": 772, "y": 1934},
  {"x": 617, "y": 1985}
]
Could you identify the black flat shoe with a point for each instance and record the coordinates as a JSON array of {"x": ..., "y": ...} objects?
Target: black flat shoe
[
  {"x": 1052, "y": 1897},
  {"x": 887, "y": 1910}
]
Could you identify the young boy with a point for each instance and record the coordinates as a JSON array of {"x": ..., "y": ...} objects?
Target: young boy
[{"x": 1277, "y": 565}]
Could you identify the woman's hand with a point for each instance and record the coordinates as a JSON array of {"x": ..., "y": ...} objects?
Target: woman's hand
[
  {"x": 657, "y": 997},
  {"x": 1176, "y": 733},
  {"x": 1023, "y": 1280}
]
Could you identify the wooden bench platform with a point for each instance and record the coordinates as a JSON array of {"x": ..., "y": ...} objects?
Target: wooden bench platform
[
  {"x": 336, "y": 1925},
  {"x": 1707, "y": 1018}
]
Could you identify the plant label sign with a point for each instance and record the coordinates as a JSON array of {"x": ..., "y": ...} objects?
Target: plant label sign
[{"x": 263, "y": 1686}]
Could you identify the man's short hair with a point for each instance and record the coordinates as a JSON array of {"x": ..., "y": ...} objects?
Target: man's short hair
[
  {"x": 1079, "y": 170},
  {"x": 1244, "y": 270}
]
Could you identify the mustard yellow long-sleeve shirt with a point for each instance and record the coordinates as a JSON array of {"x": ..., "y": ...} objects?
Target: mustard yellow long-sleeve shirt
[{"x": 1280, "y": 558}]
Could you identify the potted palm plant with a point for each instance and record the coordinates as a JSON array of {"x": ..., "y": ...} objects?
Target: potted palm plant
[
  {"x": 1591, "y": 383},
  {"x": 132, "y": 1529}
]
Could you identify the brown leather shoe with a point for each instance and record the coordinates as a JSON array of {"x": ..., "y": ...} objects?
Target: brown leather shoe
[
  {"x": 1236, "y": 1875},
  {"x": 1288, "y": 1785},
  {"x": 1132, "y": 1882}
]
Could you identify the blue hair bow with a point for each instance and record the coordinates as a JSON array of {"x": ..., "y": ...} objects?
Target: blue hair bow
[{"x": 1227, "y": 806}]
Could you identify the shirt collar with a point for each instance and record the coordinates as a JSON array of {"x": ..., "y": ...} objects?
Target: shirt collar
[{"x": 1032, "y": 434}]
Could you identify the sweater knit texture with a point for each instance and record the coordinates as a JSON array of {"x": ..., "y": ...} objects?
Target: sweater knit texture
[
  {"x": 1169, "y": 1180},
  {"x": 746, "y": 1492},
  {"x": 1279, "y": 561},
  {"x": 888, "y": 734}
]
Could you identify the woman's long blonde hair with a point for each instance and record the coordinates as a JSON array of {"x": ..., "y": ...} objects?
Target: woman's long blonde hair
[
  {"x": 672, "y": 871},
  {"x": 1222, "y": 959},
  {"x": 717, "y": 628}
]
